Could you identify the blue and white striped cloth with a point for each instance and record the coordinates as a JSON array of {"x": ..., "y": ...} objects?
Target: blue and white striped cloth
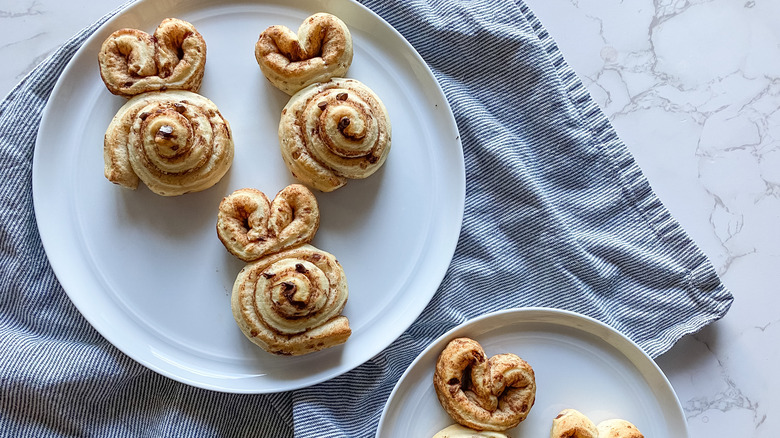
[{"x": 554, "y": 201}]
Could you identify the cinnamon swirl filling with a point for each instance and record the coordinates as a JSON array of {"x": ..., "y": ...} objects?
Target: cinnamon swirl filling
[{"x": 334, "y": 131}]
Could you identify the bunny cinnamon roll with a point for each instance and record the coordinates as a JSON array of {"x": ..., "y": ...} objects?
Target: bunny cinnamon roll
[
  {"x": 334, "y": 131},
  {"x": 290, "y": 303},
  {"x": 322, "y": 49},
  {"x": 483, "y": 393},
  {"x": 175, "y": 142},
  {"x": 250, "y": 226},
  {"x": 571, "y": 423},
  {"x": 133, "y": 62}
]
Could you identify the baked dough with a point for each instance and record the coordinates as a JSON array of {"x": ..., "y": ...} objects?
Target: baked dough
[
  {"x": 290, "y": 303},
  {"x": 493, "y": 394},
  {"x": 618, "y": 428},
  {"x": 250, "y": 226},
  {"x": 571, "y": 423},
  {"x": 458, "y": 431},
  {"x": 174, "y": 141},
  {"x": 334, "y": 131},
  {"x": 133, "y": 62},
  {"x": 322, "y": 49}
]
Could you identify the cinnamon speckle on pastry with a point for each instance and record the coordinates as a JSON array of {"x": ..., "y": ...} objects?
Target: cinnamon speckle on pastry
[
  {"x": 481, "y": 393},
  {"x": 250, "y": 226},
  {"x": 321, "y": 49},
  {"x": 133, "y": 62},
  {"x": 290, "y": 313},
  {"x": 334, "y": 131},
  {"x": 172, "y": 152},
  {"x": 571, "y": 423}
]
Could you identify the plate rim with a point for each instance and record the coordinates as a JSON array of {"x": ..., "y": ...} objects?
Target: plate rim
[
  {"x": 58, "y": 268},
  {"x": 549, "y": 311}
]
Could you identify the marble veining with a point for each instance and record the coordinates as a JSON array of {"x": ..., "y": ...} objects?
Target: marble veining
[
  {"x": 693, "y": 88},
  {"x": 31, "y": 10}
]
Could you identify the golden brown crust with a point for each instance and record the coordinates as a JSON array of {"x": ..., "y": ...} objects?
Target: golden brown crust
[
  {"x": 290, "y": 303},
  {"x": 133, "y": 62},
  {"x": 334, "y": 131},
  {"x": 483, "y": 393},
  {"x": 322, "y": 49},
  {"x": 618, "y": 428},
  {"x": 175, "y": 142},
  {"x": 250, "y": 226},
  {"x": 571, "y": 423}
]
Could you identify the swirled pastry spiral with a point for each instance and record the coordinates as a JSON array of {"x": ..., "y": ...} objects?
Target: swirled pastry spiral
[
  {"x": 174, "y": 141},
  {"x": 290, "y": 303},
  {"x": 250, "y": 226},
  {"x": 133, "y": 62},
  {"x": 458, "y": 431},
  {"x": 322, "y": 49},
  {"x": 333, "y": 131},
  {"x": 571, "y": 423},
  {"x": 483, "y": 393}
]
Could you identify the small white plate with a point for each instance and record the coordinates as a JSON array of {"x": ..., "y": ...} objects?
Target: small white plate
[
  {"x": 149, "y": 272},
  {"x": 578, "y": 361}
]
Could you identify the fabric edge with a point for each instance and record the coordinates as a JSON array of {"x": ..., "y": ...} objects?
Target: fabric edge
[{"x": 702, "y": 275}]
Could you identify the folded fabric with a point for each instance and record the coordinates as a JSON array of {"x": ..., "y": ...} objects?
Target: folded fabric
[{"x": 557, "y": 214}]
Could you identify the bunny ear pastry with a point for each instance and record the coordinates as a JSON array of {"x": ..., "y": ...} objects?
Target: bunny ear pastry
[
  {"x": 321, "y": 49},
  {"x": 133, "y": 62},
  {"x": 250, "y": 226},
  {"x": 483, "y": 393},
  {"x": 174, "y": 141},
  {"x": 290, "y": 303}
]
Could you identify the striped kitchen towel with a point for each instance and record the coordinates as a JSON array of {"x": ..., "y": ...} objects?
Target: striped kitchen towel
[{"x": 554, "y": 202}]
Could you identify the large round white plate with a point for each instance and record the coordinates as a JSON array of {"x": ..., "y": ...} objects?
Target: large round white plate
[
  {"x": 579, "y": 363},
  {"x": 149, "y": 273}
]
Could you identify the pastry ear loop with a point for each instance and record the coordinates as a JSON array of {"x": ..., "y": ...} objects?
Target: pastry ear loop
[{"x": 133, "y": 62}]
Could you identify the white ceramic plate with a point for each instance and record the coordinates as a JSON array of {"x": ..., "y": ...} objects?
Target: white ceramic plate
[
  {"x": 579, "y": 363},
  {"x": 149, "y": 273}
]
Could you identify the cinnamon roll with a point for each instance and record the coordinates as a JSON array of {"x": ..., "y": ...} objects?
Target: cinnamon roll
[
  {"x": 483, "y": 393},
  {"x": 322, "y": 49},
  {"x": 175, "y": 142},
  {"x": 133, "y": 62},
  {"x": 571, "y": 423},
  {"x": 290, "y": 303},
  {"x": 250, "y": 226},
  {"x": 334, "y": 131},
  {"x": 618, "y": 428}
]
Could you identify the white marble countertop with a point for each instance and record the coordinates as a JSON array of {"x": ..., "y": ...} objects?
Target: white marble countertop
[{"x": 693, "y": 88}]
